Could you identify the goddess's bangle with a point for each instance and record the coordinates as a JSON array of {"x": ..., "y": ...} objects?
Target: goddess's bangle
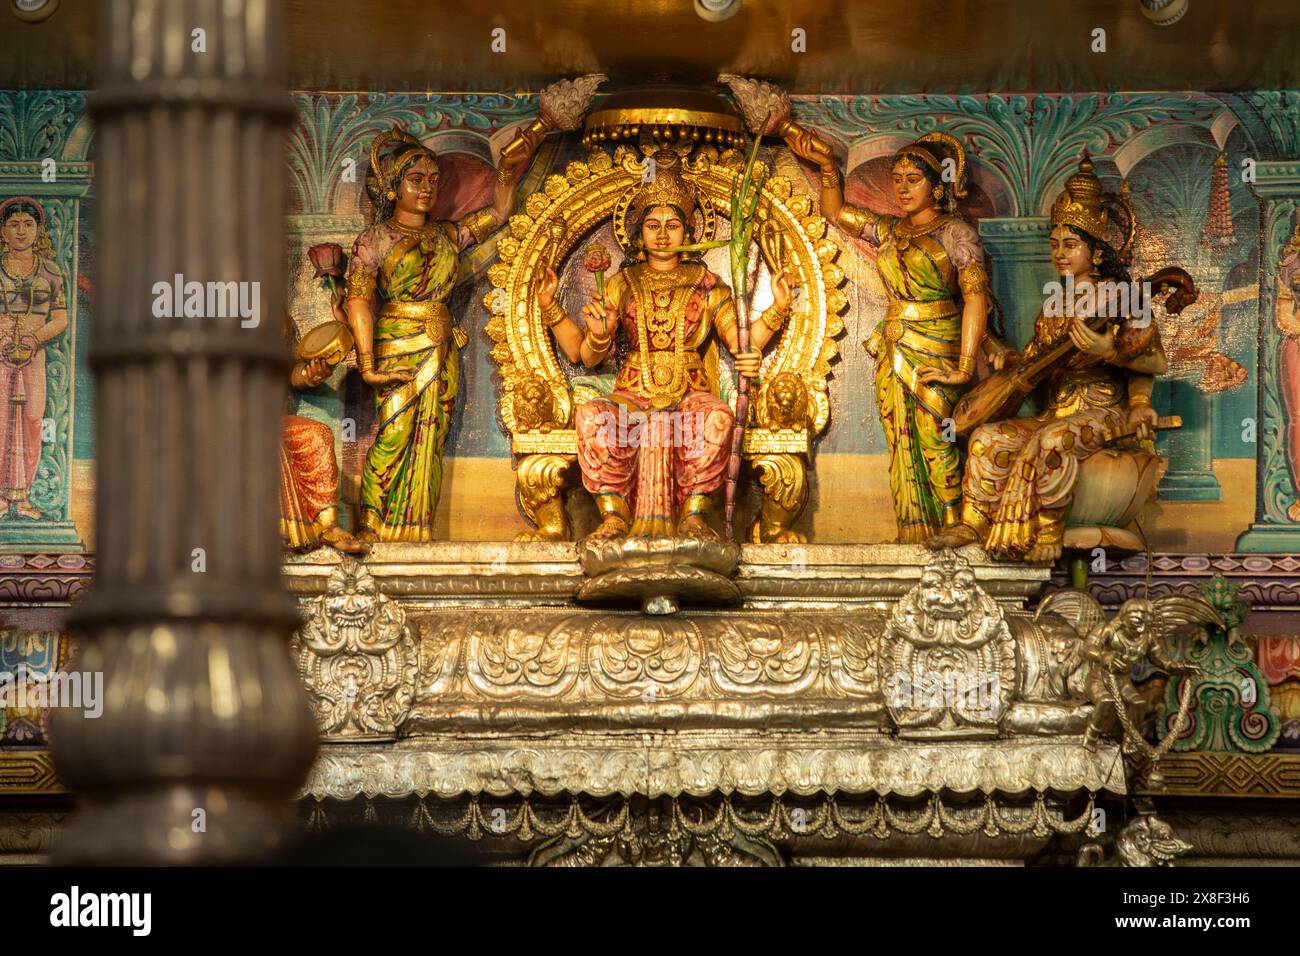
[
  {"x": 553, "y": 315},
  {"x": 830, "y": 178},
  {"x": 966, "y": 364},
  {"x": 366, "y": 362},
  {"x": 774, "y": 317},
  {"x": 1139, "y": 398},
  {"x": 596, "y": 343},
  {"x": 854, "y": 220}
]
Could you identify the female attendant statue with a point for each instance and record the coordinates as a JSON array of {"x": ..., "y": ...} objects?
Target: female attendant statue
[
  {"x": 933, "y": 268},
  {"x": 400, "y": 273}
]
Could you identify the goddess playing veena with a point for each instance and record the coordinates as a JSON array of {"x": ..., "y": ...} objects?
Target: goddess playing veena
[
  {"x": 658, "y": 479},
  {"x": 1021, "y": 473}
]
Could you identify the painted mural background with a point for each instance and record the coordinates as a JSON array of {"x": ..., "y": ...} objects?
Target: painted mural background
[{"x": 1215, "y": 180}]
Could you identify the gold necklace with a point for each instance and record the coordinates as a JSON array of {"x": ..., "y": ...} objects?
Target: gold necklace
[
  {"x": 661, "y": 308},
  {"x": 410, "y": 230},
  {"x": 905, "y": 232},
  {"x": 428, "y": 234},
  {"x": 36, "y": 264}
]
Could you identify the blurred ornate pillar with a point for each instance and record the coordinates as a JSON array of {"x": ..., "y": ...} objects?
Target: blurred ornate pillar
[{"x": 205, "y": 732}]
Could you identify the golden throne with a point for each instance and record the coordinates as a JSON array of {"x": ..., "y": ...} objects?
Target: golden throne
[{"x": 790, "y": 406}]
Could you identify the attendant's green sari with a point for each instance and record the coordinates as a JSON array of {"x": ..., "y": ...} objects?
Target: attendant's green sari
[
  {"x": 922, "y": 328},
  {"x": 413, "y": 333}
]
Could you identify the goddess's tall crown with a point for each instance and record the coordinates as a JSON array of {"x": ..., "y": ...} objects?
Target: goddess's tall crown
[
  {"x": 1083, "y": 204},
  {"x": 667, "y": 188},
  {"x": 390, "y": 153}
]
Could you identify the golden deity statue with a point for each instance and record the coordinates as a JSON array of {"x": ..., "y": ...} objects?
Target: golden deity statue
[
  {"x": 588, "y": 204},
  {"x": 934, "y": 273},
  {"x": 1096, "y": 360},
  {"x": 655, "y": 449}
]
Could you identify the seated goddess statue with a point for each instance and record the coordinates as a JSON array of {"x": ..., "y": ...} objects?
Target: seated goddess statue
[
  {"x": 655, "y": 449},
  {"x": 1021, "y": 472}
]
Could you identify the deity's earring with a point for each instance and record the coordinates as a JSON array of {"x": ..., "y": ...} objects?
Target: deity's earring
[
  {"x": 937, "y": 192},
  {"x": 1096, "y": 258},
  {"x": 392, "y": 194}
]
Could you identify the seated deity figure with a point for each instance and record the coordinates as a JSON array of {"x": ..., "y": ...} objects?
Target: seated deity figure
[
  {"x": 1021, "y": 472},
  {"x": 934, "y": 271},
  {"x": 657, "y": 477}
]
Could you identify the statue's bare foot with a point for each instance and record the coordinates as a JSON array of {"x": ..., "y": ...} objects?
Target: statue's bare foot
[
  {"x": 366, "y": 537},
  {"x": 340, "y": 540},
  {"x": 695, "y": 526},
  {"x": 953, "y": 536},
  {"x": 1043, "y": 552},
  {"x": 29, "y": 510},
  {"x": 612, "y": 527}
]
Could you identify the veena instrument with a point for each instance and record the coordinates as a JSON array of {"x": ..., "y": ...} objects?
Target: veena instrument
[{"x": 1001, "y": 394}]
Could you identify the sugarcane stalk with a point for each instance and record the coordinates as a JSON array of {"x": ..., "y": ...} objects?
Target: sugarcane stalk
[
  {"x": 744, "y": 206},
  {"x": 701, "y": 246}
]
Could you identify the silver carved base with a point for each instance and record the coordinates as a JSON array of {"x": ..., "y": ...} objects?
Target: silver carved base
[{"x": 821, "y": 676}]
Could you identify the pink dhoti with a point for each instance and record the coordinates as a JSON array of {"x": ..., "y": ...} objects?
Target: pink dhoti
[
  {"x": 654, "y": 460},
  {"x": 22, "y": 407}
]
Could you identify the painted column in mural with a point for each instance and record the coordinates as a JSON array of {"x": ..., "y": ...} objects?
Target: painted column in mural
[
  {"x": 40, "y": 215},
  {"x": 1023, "y": 264},
  {"x": 1277, "y": 500},
  {"x": 1190, "y": 450}
]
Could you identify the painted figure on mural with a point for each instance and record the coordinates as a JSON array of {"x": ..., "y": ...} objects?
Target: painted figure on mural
[
  {"x": 309, "y": 471},
  {"x": 400, "y": 274},
  {"x": 1288, "y": 360},
  {"x": 33, "y": 312},
  {"x": 1021, "y": 472},
  {"x": 936, "y": 278},
  {"x": 654, "y": 450}
]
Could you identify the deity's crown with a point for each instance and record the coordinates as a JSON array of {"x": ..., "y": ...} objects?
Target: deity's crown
[
  {"x": 1083, "y": 202},
  {"x": 667, "y": 188}
]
